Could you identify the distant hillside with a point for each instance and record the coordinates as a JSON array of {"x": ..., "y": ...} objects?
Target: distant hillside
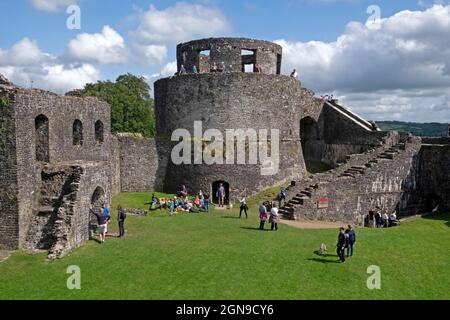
[{"x": 418, "y": 129}]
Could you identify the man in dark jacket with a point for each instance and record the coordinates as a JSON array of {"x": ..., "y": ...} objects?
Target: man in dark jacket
[
  {"x": 351, "y": 239},
  {"x": 341, "y": 245},
  {"x": 121, "y": 216}
]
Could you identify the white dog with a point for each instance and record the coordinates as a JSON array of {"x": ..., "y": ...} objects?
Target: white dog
[{"x": 322, "y": 249}]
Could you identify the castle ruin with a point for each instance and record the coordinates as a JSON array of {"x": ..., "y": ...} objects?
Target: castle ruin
[{"x": 58, "y": 156}]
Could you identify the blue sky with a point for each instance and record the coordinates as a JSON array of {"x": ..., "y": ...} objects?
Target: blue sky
[{"x": 388, "y": 72}]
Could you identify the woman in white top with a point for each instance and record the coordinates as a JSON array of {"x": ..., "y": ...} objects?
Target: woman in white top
[{"x": 274, "y": 218}]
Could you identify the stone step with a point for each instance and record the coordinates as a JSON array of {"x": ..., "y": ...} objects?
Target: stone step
[{"x": 347, "y": 175}]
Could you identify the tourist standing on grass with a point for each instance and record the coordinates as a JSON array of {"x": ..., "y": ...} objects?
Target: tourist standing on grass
[
  {"x": 262, "y": 216},
  {"x": 341, "y": 244},
  {"x": 283, "y": 195},
  {"x": 102, "y": 221},
  {"x": 274, "y": 217},
  {"x": 351, "y": 239},
  {"x": 206, "y": 202},
  {"x": 121, "y": 216},
  {"x": 244, "y": 207},
  {"x": 221, "y": 195}
]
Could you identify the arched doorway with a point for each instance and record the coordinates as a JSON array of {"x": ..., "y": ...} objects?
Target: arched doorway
[
  {"x": 215, "y": 188},
  {"x": 98, "y": 199},
  {"x": 313, "y": 146},
  {"x": 309, "y": 134},
  {"x": 433, "y": 203},
  {"x": 41, "y": 126}
]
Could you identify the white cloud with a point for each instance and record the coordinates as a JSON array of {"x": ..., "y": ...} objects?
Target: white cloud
[
  {"x": 52, "y": 5},
  {"x": 149, "y": 55},
  {"x": 107, "y": 47},
  {"x": 24, "y": 52},
  {"x": 179, "y": 23},
  {"x": 25, "y": 64},
  {"x": 408, "y": 52}
]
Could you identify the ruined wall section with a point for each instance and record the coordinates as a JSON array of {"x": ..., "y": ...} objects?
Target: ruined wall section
[
  {"x": 61, "y": 112},
  {"x": 9, "y": 207},
  {"x": 383, "y": 176}
]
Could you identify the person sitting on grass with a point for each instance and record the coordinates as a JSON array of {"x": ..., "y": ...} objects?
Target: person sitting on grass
[
  {"x": 393, "y": 221},
  {"x": 197, "y": 203},
  {"x": 154, "y": 202},
  {"x": 162, "y": 204}
]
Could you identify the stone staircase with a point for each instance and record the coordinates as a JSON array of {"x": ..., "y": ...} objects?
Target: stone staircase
[
  {"x": 300, "y": 195},
  {"x": 52, "y": 220}
]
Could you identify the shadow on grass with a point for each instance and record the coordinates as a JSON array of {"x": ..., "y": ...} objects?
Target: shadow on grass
[
  {"x": 321, "y": 260},
  {"x": 326, "y": 255},
  {"x": 439, "y": 217},
  {"x": 255, "y": 229},
  {"x": 231, "y": 217}
]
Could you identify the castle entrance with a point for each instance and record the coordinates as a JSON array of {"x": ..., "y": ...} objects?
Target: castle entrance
[
  {"x": 433, "y": 203},
  {"x": 97, "y": 200},
  {"x": 215, "y": 189}
]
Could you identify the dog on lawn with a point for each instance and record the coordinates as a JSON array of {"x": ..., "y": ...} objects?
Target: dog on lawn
[{"x": 322, "y": 249}]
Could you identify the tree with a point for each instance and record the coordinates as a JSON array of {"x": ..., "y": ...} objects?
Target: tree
[{"x": 132, "y": 108}]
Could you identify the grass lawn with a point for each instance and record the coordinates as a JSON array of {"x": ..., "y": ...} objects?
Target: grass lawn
[{"x": 216, "y": 256}]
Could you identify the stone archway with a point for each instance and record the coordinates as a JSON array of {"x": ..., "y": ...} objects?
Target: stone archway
[
  {"x": 98, "y": 199},
  {"x": 309, "y": 135},
  {"x": 433, "y": 203},
  {"x": 215, "y": 187}
]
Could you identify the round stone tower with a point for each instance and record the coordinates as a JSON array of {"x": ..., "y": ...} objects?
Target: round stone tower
[{"x": 252, "y": 99}]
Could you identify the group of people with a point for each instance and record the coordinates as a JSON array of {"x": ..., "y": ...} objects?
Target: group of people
[
  {"x": 182, "y": 203},
  {"x": 104, "y": 218},
  {"x": 329, "y": 98},
  {"x": 346, "y": 239},
  {"x": 269, "y": 212},
  {"x": 222, "y": 67},
  {"x": 379, "y": 218}
]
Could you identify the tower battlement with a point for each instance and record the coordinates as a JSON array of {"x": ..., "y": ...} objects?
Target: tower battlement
[{"x": 237, "y": 54}]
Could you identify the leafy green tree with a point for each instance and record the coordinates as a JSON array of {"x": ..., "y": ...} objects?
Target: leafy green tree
[{"x": 132, "y": 108}]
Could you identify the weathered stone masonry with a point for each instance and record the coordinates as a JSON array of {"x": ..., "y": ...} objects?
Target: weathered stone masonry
[{"x": 58, "y": 156}]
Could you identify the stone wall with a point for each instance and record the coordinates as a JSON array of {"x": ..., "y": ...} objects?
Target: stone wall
[
  {"x": 9, "y": 207},
  {"x": 143, "y": 164},
  {"x": 383, "y": 176},
  {"x": 115, "y": 166},
  {"x": 231, "y": 101},
  {"x": 433, "y": 176}
]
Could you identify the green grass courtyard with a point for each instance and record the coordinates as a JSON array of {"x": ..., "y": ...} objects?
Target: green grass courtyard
[{"x": 217, "y": 256}]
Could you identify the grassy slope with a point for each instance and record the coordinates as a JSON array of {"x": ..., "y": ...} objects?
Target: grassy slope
[{"x": 219, "y": 257}]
